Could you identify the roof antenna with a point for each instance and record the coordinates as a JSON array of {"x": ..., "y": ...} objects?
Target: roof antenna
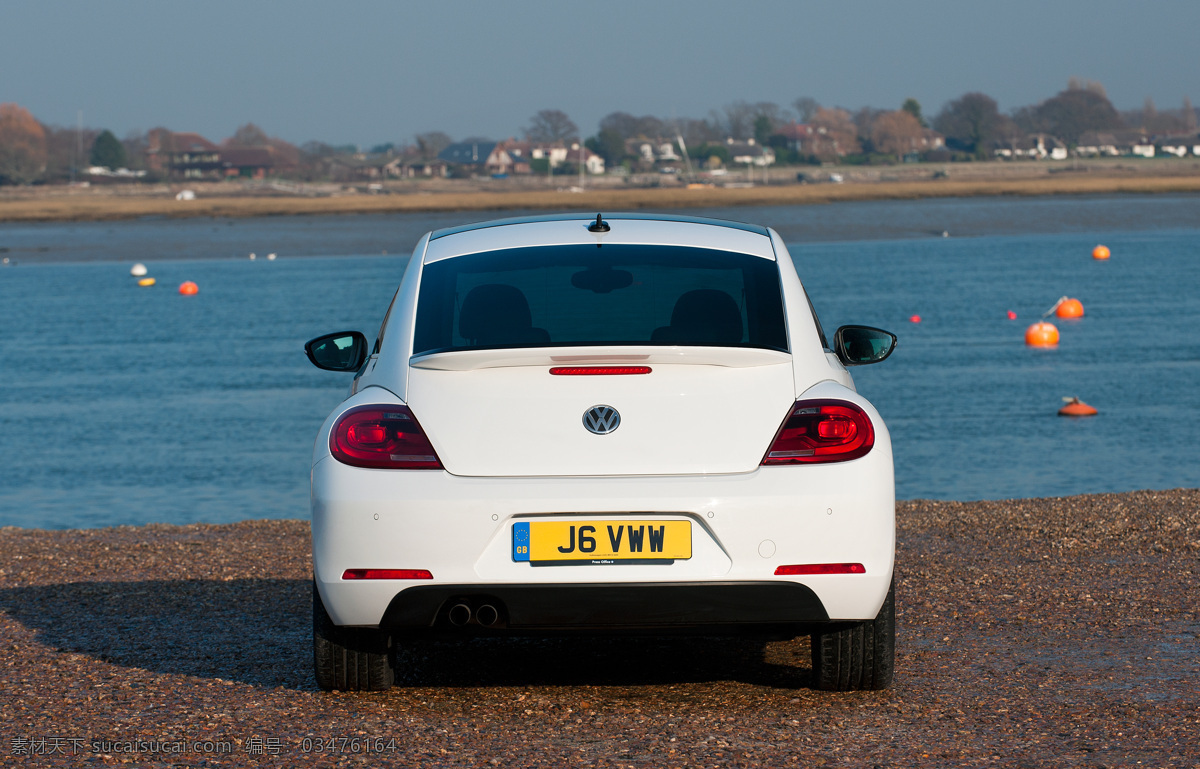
[{"x": 599, "y": 225}]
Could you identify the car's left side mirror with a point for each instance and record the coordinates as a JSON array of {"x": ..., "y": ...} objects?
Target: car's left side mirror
[
  {"x": 860, "y": 345},
  {"x": 343, "y": 351}
]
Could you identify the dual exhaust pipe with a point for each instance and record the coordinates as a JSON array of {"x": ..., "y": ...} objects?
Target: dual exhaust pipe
[{"x": 461, "y": 614}]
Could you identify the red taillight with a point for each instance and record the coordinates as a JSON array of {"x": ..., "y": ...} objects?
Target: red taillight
[
  {"x": 599, "y": 370},
  {"x": 821, "y": 431},
  {"x": 386, "y": 574},
  {"x": 386, "y": 437},
  {"x": 820, "y": 568}
]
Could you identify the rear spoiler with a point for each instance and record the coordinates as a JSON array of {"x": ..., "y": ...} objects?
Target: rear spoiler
[{"x": 470, "y": 360}]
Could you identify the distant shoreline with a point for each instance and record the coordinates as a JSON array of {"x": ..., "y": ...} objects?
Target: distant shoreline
[{"x": 49, "y": 204}]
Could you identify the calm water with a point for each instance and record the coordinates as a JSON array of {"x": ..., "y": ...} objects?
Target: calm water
[{"x": 123, "y": 405}]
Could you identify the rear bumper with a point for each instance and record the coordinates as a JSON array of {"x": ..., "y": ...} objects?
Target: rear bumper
[{"x": 666, "y": 607}]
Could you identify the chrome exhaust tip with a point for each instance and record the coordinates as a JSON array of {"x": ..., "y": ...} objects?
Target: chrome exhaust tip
[
  {"x": 460, "y": 614},
  {"x": 487, "y": 615}
]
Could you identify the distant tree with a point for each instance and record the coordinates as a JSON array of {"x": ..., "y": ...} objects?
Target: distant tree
[
  {"x": 1149, "y": 113},
  {"x": 696, "y": 132},
  {"x": 551, "y": 125},
  {"x": 707, "y": 152},
  {"x": 430, "y": 143},
  {"x": 1189, "y": 115},
  {"x": 836, "y": 134},
  {"x": 864, "y": 120},
  {"x": 386, "y": 148},
  {"x": 806, "y": 108},
  {"x": 107, "y": 151},
  {"x": 629, "y": 126},
  {"x": 969, "y": 123},
  {"x": 609, "y": 145},
  {"x": 743, "y": 120},
  {"x": 248, "y": 135},
  {"x": 316, "y": 149},
  {"x": 913, "y": 107},
  {"x": 620, "y": 124},
  {"x": 763, "y": 128},
  {"x": 22, "y": 146},
  {"x": 66, "y": 150},
  {"x": 736, "y": 120},
  {"x": 1074, "y": 111},
  {"x": 896, "y": 133},
  {"x": 136, "y": 145}
]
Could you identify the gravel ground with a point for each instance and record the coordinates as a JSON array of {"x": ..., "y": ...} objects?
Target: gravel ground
[{"x": 1048, "y": 632}]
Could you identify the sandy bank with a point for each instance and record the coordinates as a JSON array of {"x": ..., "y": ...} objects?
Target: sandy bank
[
  {"x": 219, "y": 200},
  {"x": 1047, "y": 632}
]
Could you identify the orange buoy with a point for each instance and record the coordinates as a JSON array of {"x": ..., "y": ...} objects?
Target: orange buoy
[
  {"x": 1041, "y": 334},
  {"x": 1100, "y": 252},
  {"x": 188, "y": 288},
  {"x": 1077, "y": 408},
  {"x": 1069, "y": 308},
  {"x": 915, "y": 319},
  {"x": 146, "y": 282}
]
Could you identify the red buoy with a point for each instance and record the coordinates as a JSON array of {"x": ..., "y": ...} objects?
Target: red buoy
[
  {"x": 915, "y": 319},
  {"x": 1069, "y": 308},
  {"x": 1041, "y": 334},
  {"x": 1077, "y": 408},
  {"x": 188, "y": 288},
  {"x": 1012, "y": 315}
]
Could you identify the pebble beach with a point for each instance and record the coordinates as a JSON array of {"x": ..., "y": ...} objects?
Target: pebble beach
[{"x": 1041, "y": 632}]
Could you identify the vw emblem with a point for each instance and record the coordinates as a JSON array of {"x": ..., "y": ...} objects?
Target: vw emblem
[{"x": 601, "y": 420}]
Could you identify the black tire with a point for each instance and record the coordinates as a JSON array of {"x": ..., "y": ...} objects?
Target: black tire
[
  {"x": 857, "y": 656},
  {"x": 349, "y": 658}
]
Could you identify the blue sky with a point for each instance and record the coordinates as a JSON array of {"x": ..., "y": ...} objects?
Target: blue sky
[{"x": 370, "y": 72}]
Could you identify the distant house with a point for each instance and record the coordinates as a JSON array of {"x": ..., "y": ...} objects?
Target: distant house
[
  {"x": 520, "y": 154},
  {"x": 593, "y": 163},
  {"x": 250, "y": 162},
  {"x": 653, "y": 150},
  {"x": 428, "y": 168},
  {"x": 478, "y": 157},
  {"x": 1115, "y": 144},
  {"x": 555, "y": 153},
  {"x": 187, "y": 155},
  {"x": 749, "y": 153},
  {"x": 932, "y": 140},
  {"x": 1098, "y": 144},
  {"x": 1033, "y": 147},
  {"x": 797, "y": 137},
  {"x": 1180, "y": 146}
]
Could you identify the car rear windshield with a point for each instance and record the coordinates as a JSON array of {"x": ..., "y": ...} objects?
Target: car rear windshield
[{"x": 584, "y": 295}]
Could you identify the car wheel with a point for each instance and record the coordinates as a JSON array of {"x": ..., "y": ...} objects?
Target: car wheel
[
  {"x": 859, "y": 655},
  {"x": 349, "y": 659}
]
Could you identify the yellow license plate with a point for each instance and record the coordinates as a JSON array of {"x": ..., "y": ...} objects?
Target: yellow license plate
[{"x": 575, "y": 542}]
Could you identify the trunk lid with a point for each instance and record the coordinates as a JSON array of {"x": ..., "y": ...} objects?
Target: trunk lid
[{"x": 700, "y": 410}]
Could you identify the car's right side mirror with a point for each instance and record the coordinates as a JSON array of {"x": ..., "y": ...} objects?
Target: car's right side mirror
[
  {"x": 860, "y": 345},
  {"x": 343, "y": 351}
]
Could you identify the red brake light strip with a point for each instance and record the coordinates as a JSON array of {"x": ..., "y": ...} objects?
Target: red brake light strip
[
  {"x": 820, "y": 568},
  {"x": 599, "y": 370},
  {"x": 386, "y": 574}
]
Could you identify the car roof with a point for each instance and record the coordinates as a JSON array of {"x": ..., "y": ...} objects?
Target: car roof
[
  {"x": 622, "y": 229},
  {"x": 610, "y": 218}
]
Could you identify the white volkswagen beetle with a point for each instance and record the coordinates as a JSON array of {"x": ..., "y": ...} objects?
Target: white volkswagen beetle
[{"x": 610, "y": 424}]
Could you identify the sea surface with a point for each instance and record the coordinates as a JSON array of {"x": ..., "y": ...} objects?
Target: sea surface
[{"x": 126, "y": 405}]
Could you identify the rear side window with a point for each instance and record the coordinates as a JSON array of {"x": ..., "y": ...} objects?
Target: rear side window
[{"x": 583, "y": 295}]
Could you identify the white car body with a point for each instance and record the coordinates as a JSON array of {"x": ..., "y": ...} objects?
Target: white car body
[{"x": 513, "y": 449}]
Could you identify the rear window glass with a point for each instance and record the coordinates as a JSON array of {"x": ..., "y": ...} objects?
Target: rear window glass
[{"x": 583, "y": 295}]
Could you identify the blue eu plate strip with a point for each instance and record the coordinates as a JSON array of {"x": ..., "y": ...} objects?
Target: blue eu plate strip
[{"x": 521, "y": 541}]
